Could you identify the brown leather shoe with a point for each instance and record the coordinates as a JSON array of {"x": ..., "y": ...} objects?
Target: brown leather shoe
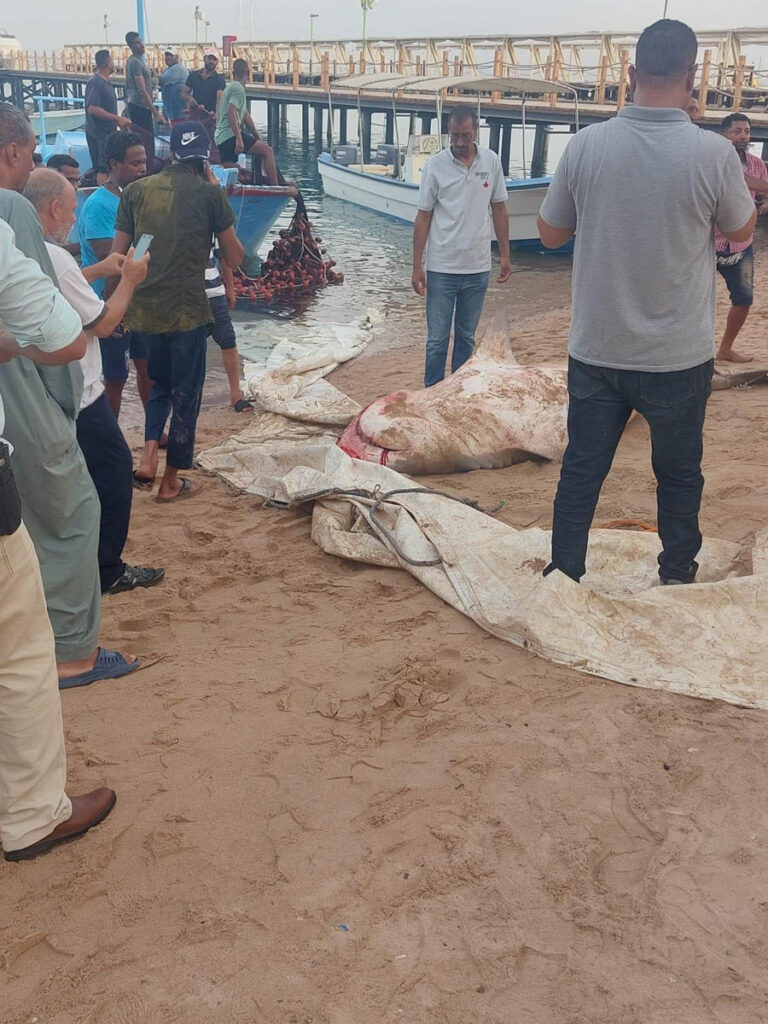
[{"x": 87, "y": 811}]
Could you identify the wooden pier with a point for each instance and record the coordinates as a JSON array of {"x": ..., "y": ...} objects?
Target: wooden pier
[{"x": 285, "y": 73}]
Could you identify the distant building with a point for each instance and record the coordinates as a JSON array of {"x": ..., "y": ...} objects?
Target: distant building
[{"x": 10, "y": 49}]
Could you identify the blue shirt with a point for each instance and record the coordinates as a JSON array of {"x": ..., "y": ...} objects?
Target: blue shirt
[
  {"x": 171, "y": 83},
  {"x": 97, "y": 220}
]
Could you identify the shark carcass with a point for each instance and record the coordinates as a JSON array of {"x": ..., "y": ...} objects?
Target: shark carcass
[{"x": 491, "y": 413}]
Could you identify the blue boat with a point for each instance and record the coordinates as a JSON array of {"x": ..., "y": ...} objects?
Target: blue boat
[{"x": 256, "y": 207}]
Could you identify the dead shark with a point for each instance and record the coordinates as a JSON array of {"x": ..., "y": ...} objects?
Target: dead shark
[{"x": 491, "y": 413}]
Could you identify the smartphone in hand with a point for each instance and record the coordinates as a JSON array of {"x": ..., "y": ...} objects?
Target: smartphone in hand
[{"x": 142, "y": 245}]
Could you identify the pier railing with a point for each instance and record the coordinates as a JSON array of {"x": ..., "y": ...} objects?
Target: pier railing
[{"x": 595, "y": 64}]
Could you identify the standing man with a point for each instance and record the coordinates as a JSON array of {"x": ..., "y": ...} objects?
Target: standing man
[
  {"x": 736, "y": 260},
  {"x": 462, "y": 193},
  {"x": 106, "y": 452},
  {"x": 203, "y": 89},
  {"x": 643, "y": 192},
  {"x": 182, "y": 210},
  {"x": 61, "y": 507},
  {"x": 126, "y": 160},
  {"x": 138, "y": 95},
  {"x": 232, "y": 114},
  {"x": 35, "y": 812},
  {"x": 171, "y": 85},
  {"x": 101, "y": 116}
]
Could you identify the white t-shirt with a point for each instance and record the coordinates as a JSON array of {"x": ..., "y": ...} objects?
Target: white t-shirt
[
  {"x": 90, "y": 308},
  {"x": 460, "y": 199}
]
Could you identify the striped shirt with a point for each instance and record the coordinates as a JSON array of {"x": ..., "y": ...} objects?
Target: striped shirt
[
  {"x": 213, "y": 284},
  {"x": 754, "y": 166}
]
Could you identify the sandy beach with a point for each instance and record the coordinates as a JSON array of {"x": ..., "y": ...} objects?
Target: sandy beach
[{"x": 341, "y": 802}]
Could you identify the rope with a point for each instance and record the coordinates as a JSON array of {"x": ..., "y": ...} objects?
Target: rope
[
  {"x": 627, "y": 524},
  {"x": 377, "y": 499}
]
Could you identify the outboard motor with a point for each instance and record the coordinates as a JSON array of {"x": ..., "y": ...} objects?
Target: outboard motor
[
  {"x": 347, "y": 155},
  {"x": 388, "y": 154}
]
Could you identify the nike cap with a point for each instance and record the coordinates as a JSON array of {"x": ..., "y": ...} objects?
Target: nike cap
[{"x": 190, "y": 141}]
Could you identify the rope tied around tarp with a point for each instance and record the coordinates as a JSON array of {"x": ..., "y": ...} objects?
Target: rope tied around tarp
[{"x": 377, "y": 497}]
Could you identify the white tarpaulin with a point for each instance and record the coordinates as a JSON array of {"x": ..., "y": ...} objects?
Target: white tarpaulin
[{"x": 705, "y": 640}]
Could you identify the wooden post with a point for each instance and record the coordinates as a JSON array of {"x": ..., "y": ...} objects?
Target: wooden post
[
  {"x": 555, "y": 78},
  {"x": 738, "y": 84},
  {"x": 324, "y": 73},
  {"x": 445, "y": 63},
  {"x": 621, "y": 99},
  {"x": 296, "y": 67},
  {"x": 457, "y": 65},
  {"x": 498, "y": 71},
  {"x": 704, "y": 82},
  {"x": 495, "y": 136},
  {"x": 365, "y": 135},
  {"x": 382, "y": 63},
  {"x": 601, "y": 78},
  {"x": 305, "y": 123},
  {"x": 389, "y": 128}
]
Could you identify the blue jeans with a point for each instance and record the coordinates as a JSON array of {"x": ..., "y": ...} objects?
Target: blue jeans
[
  {"x": 176, "y": 367},
  {"x": 446, "y": 294},
  {"x": 601, "y": 402}
]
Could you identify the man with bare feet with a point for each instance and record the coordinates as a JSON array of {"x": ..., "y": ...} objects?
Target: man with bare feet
[
  {"x": 735, "y": 260},
  {"x": 182, "y": 211}
]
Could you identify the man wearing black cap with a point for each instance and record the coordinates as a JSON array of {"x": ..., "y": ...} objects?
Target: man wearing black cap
[{"x": 182, "y": 210}]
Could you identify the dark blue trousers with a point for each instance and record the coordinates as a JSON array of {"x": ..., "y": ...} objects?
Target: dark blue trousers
[
  {"x": 601, "y": 402},
  {"x": 110, "y": 464},
  {"x": 176, "y": 367}
]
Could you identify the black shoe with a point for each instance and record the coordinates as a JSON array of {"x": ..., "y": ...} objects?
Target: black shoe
[
  {"x": 690, "y": 577},
  {"x": 134, "y": 576}
]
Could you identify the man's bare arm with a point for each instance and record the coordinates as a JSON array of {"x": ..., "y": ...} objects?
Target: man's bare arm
[
  {"x": 420, "y": 235},
  {"x": 231, "y": 248},
  {"x": 105, "y": 115},
  {"x": 552, "y": 237},
  {"x": 122, "y": 242}
]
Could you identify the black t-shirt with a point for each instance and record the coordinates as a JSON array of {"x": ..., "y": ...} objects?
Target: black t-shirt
[
  {"x": 99, "y": 93},
  {"x": 204, "y": 89}
]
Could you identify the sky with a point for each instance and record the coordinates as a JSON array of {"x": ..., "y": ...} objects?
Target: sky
[{"x": 39, "y": 24}]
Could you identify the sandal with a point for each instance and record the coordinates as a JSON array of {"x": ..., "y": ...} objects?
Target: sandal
[
  {"x": 108, "y": 665},
  {"x": 242, "y": 405},
  {"x": 187, "y": 490},
  {"x": 143, "y": 483}
]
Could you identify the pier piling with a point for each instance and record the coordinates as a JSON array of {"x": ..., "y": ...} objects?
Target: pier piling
[
  {"x": 506, "y": 146},
  {"x": 365, "y": 135},
  {"x": 540, "y": 151},
  {"x": 343, "y": 125},
  {"x": 318, "y": 127}
]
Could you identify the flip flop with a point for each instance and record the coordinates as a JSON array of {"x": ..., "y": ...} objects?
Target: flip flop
[
  {"x": 108, "y": 665},
  {"x": 242, "y": 405},
  {"x": 143, "y": 483},
  {"x": 187, "y": 490}
]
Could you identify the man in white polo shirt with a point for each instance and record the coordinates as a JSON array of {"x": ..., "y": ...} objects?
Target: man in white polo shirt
[
  {"x": 643, "y": 192},
  {"x": 462, "y": 193}
]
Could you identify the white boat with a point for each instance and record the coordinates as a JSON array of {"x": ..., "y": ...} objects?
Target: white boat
[
  {"x": 385, "y": 187},
  {"x": 373, "y": 187},
  {"x": 57, "y": 121}
]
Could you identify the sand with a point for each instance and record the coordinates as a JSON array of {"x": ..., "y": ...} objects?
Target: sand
[{"x": 340, "y": 802}]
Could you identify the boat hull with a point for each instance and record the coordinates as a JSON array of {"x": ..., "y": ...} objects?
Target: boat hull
[{"x": 399, "y": 199}]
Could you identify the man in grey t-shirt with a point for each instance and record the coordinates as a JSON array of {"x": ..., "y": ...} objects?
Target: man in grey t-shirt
[
  {"x": 138, "y": 95},
  {"x": 643, "y": 192}
]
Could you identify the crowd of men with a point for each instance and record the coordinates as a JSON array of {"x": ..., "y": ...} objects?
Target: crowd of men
[{"x": 642, "y": 339}]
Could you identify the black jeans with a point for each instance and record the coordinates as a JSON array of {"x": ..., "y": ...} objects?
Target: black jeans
[
  {"x": 143, "y": 119},
  {"x": 110, "y": 464},
  {"x": 601, "y": 402}
]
